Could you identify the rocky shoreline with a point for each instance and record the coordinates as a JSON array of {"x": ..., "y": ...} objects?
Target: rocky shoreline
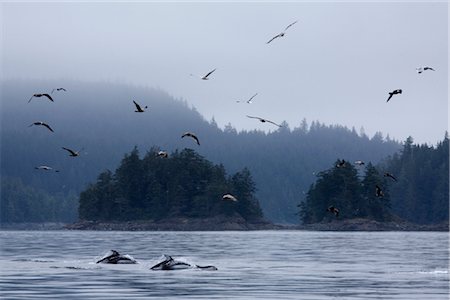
[
  {"x": 178, "y": 224},
  {"x": 372, "y": 225},
  {"x": 227, "y": 224}
]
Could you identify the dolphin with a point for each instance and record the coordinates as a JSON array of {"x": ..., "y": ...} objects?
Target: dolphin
[
  {"x": 169, "y": 263},
  {"x": 114, "y": 257}
]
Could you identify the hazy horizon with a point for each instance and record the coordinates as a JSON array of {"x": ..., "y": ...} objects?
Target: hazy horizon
[{"x": 336, "y": 65}]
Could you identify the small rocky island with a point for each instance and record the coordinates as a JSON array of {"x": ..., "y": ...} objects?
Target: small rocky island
[{"x": 180, "y": 191}]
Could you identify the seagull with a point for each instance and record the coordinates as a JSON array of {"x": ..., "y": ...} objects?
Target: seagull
[
  {"x": 390, "y": 175},
  {"x": 264, "y": 120},
  {"x": 229, "y": 197},
  {"x": 378, "y": 191},
  {"x": 43, "y": 124},
  {"x": 163, "y": 154},
  {"x": 72, "y": 153},
  {"x": 41, "y": 95},
  {"x": 359, "y": 163},
  {"x": 421, "y": 69},
  {"x": 58, "y": 90},
  {"x": 206, "y": 76},
  {"x": 249, "y": 101},
  {"x": 334, "y": 210},
  {"x": 138, "y": 107},
  {"x": 190, "y": 134},
  {"x": 394, "y": 92},
  {"x": 45, "y": 168},
  {"x": 282, "y": 33}
]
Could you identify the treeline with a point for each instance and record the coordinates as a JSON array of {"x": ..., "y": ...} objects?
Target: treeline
[
  {"x": 183, "y": 185},
  {"x": 419, "y": 191},
  {"x": 20, "y": 203},
  {"x": 421, "y": 194},
  {"x": 342, "y": 188},
  {"x": 99, "y": 118}
]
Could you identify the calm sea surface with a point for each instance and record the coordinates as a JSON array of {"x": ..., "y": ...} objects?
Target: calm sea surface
[{"x": 251, "y": 265}]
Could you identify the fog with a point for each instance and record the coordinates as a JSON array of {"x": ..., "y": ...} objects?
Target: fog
[{"x": 336, "y": 65}]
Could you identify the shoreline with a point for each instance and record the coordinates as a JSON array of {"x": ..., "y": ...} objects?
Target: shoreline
[{"x": 228, "y": 224}]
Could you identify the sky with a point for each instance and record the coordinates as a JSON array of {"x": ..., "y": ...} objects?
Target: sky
[{"x": 335, "y": 65}]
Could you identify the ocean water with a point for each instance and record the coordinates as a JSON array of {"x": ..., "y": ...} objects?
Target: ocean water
[{"x": 251, "y": 265}]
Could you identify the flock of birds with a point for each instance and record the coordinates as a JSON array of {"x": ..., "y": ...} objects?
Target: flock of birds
[
  {"x": 207, "y": 76},
  {"x": 139, "y": 109}
]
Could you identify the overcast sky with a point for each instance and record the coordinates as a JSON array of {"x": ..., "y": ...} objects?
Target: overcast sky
[{"x": 336, "y": 65}]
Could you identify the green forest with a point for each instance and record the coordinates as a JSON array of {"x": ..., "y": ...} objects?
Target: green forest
[
  {"x": 21, "y": 203},
  {"x": 418, "y": 192},
  {"x": 182, "y": 185},
  {"x": 342, "y": 188},
  {"x": 283, "y": 162}
]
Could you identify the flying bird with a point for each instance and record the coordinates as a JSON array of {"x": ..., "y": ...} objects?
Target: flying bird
[
  {"x": 191, "y": 135},
  {"x": 333, "y": 210},
  {"x": 229, "y": 197},
  {"x": 45, "y": 168},
  {"x": 58, "y": 90},
  {"x": 359, "y": 163},
  {"x": 378, "y": 191},
  {"x": 206, "y": 76},
  {"x": 41, "y": 95},
  {"x": 249, "y": 101},
  {"x": 42, "y": 124},
  {"x": 421, "y": 69},
  {"x": 162, "y": 154},
  {"x": 138, "y": 107},
  {"x": 264, "y": 120},
  {"x": 71, "y": 152},
  {"x": 394, "y": 92},
  {"x": 282, "y": 33},
  {"x": 390, "y": 176}
]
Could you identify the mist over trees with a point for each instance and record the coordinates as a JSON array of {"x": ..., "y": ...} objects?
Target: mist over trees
[
  {"x": 99, "y": 118},
  {"x": 183, "y": 185},
  {"x": 20, "y": 203}
]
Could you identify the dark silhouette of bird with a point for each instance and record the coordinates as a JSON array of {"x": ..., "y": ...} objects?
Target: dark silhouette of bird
[
  {"x": 262, "y": 120},
  {"x": 378, "y": 191},
  {"x": 333, "y": 210},
  {"x": 58, "y": 90},
  {"x": 42, "y": 124},
  {"x": 191, "y": 135},
  {"x": 249, "y": 101},
  {"x": 341, "y": 163},
  {"x": 138, "y": 107},
  {"x": 359, "y": 163},
  {"x": 45, "y": 168},
  {"x": 387, "y": 174},
  {"x": 162, "y": 154},
  {"x": 422, "y": 69},
  {"x": 229, "y": 197},
  {"x": 71, "y": 152},
  {"x": 206, "y": 76},
  {"x": 282, "y": 33},
  {"x": 41, "y": 95},
  {"x": 394, "y": 92}
]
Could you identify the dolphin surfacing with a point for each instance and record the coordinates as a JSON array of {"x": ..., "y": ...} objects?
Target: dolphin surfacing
[
  {"x": 169, "y": 263},
  {"x": 114, "y": 257}
]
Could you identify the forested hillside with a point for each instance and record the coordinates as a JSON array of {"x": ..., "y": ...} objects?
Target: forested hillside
[
  {"x": 414, "y": 184},
  {"x": 421, "y": 193},
  {"x": 99, "y": 119},
  {"x": 184, "y": 184},
  {"x": 340, "y": 193}
]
